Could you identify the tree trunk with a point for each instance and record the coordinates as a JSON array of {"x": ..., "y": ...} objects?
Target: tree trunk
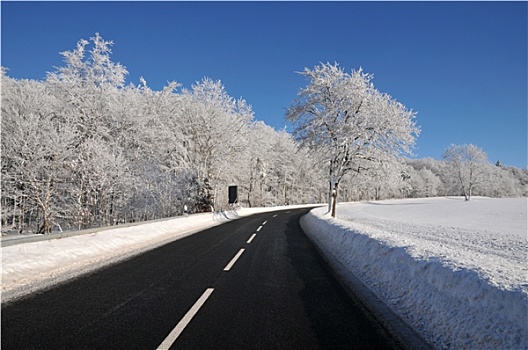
[
  {"x": 465, "y": 193},
  {"x": 331, "y": 186},
  {"x": 330, "y": 197},
  {"x": 334, "y": 199},
  {"x": 45, "y": 228},
  {"x": 22, "y": 215},
  {"x": 250, "y": 190}
]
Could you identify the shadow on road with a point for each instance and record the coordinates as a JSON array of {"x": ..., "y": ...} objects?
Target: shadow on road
[{"x": 338, "y": 319}]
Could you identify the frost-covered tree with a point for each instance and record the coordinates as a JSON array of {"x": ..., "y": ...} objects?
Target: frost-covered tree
[
  {"x": 215, "y": 127},
  {"x": 424, "y": 183},
  {"x": 381, "y": 180},
  {"x": 85, "y": 85},
  {"x": 345, "y": 118},
  {"x": 306, "y": 184},
  {"x": 430, "y": 177},
  {"x": 520, "y": 177},
  {"x": 82, "y": 149},
  {"x": 500, "y": 183},
  {"x": 280, "y": 172},
  {"x": 85, "y": 89},
  {"x": 260, "y": 160},
  {"x": 468, "y": 163},
  {"x": 37, "y": 148}
]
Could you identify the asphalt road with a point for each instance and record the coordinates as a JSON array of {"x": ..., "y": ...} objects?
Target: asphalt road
[{"x": 253, "y": 283}]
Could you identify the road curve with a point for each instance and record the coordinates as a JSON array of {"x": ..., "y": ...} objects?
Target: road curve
[{"x": 253, "y": 283}]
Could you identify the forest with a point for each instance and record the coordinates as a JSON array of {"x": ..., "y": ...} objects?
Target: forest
[{"x": 82, "y": 149}]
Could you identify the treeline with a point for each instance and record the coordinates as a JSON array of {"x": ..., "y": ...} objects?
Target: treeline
[
  {"x": 80, "y": 149},
  {"x": 427, "y": 177}
]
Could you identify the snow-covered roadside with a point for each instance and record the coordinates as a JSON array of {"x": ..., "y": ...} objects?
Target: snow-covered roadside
[
  {"x": 29, "y": 267},
  {"x": 455, "y": 271}
]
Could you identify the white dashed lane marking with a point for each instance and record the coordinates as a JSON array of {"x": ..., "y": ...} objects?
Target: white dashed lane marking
[
  {"x": 175, "y": 333},
  {"x": 233, "y": 261}
]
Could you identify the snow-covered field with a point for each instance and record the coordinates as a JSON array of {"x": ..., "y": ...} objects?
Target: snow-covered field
[{"x": 456, "y": 271}]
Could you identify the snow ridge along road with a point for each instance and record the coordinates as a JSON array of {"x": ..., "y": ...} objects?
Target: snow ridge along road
[
  {"x": 29, "y": 267},
  {"x": 454, "y": 270}
]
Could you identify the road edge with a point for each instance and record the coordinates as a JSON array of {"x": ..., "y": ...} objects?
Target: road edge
[{"x": 394, "y": 325}]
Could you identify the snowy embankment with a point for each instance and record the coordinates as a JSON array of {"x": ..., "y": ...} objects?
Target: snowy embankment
[
  {"x": 455, "y": 271},
  {"x": 29, "y": 267}
]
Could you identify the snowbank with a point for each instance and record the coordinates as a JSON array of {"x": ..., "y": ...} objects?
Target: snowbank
[
  {"x": 455, "y": 271},
  {"x": 29, "y": 267}
]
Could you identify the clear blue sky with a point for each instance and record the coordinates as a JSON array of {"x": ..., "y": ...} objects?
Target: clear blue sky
[{"x": 461, "y": 65}]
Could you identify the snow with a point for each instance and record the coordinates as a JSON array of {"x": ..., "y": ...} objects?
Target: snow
[
  {"x": 30, "y": 267},
  {"x": 453, "y": 270},
  {"x": 456, "y": 271}
]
